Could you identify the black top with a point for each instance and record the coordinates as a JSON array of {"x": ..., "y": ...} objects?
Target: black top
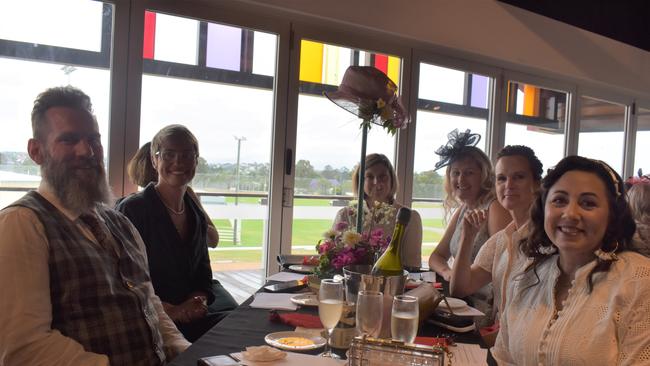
[{"x": 177, "y": 267}]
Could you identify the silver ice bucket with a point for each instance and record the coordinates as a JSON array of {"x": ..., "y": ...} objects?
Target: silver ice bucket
[{"x": 359, "y": 278}]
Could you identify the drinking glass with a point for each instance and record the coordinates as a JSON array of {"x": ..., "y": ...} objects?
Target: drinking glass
[
  {"x": 330, "y": 308},
  {"x": 369, "y": 310},
  {"x": 404, "y": 318}
]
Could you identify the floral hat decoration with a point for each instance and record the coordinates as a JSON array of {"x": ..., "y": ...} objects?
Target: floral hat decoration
[
  {"x": 369, "y": 94},
  {"x": 456, "y": 144}
]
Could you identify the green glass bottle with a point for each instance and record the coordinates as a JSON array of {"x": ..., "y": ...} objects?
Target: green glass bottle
[{"x": 390, "y": 263}]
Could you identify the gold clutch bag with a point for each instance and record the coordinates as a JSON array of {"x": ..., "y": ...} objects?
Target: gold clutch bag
[{"x": 367, "y": 351}]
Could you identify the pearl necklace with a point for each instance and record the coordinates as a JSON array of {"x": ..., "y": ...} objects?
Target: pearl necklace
[
  {"x": 175, "y": 212},
  {"x": 179, "y": 212}
]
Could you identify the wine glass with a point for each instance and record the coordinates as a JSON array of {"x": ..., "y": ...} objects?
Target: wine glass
[
  {"x": 404, "y": 318},
  {"x": 330, "y": 308},
  {"x": 369, "y": 305}
]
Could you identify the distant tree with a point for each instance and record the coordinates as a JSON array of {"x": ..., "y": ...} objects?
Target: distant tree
[{"x": 304, "y": 169}]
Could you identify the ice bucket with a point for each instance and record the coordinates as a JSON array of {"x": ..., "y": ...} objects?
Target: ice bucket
[{"x": 358, "y": 278}]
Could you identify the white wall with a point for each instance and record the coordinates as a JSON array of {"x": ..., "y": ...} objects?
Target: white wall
[{"x": 488, "y": 31}]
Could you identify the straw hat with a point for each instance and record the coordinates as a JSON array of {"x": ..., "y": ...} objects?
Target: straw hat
[{"x": 369, "y": 94}]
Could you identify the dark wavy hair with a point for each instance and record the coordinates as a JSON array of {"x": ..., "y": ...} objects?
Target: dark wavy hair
[
  {"x": 527, "y": 153},
  {"x": 620, "y": 225}
]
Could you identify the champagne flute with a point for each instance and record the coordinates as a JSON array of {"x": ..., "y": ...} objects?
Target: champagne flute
[
  {"x": 330, "y": 308},
  {"x": 404, "y": 318},
  {"x": 369, "y": 304}
]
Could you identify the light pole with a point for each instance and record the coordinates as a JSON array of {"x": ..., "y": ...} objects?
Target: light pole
[{"x": 239, "y": 140}]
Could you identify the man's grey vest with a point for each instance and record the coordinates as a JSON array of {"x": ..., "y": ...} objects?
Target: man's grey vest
[{"x": 97, "y": 299}]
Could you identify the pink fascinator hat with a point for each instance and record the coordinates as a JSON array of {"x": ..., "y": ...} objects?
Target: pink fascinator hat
[{"x": 370, "y": 95}]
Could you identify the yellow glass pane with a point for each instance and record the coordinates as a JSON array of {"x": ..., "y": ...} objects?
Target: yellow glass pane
[
  {"x": 311, "y": 61},
  {"x": 393, "y": 69}
]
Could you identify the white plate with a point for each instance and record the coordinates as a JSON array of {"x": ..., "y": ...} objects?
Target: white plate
[
  {"x": 454, "y": 303},
  {"x": 273, "y": 339},
  {"x": 305, "y": 300},
  {"x": 301, "y": 268}
]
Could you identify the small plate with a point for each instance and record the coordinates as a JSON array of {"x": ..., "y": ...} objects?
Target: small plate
[
  {"x": 305, "y": 299},
  {"x": 302, "y": 268},
  {"x": 274, "y": 339},
  {"x": 454, "y": 303}
]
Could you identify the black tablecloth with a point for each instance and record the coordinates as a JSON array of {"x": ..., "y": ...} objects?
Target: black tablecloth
[{"x": 247, "y": 326}]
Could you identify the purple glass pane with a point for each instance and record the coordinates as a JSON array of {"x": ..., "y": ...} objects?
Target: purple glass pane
[
  {"x": 224, "y": 47},
  {"x": 479, "y": 91}
]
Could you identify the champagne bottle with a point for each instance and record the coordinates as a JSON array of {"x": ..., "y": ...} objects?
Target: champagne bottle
[{"x": 390, "y": 263}]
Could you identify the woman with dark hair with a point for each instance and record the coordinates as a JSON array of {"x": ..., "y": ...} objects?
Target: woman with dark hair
[
  {"x": 583, "y": 297},
  {"x": 518, "y": 175},
  {"x": 174, "y": 229},
  {"x": 380, "y": 185}
]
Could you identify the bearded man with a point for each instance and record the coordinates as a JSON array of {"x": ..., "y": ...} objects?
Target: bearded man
[{"x": 73, "y": 272}]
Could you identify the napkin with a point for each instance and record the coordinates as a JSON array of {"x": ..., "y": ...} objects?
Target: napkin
[
  {"x": 297, "y": 319},
  {"x": 265, "y": 300},
  {"x": 263, "y": 353},
  {"x": 285, "y": 277}
]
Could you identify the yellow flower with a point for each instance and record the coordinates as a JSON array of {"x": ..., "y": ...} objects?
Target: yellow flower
[
  {"x": 331, "y": 233},
  {"x": 392, "y": 88},
  {"x": 386, "y": 113},
  {"x": 380, "y": 103},
  {"x": 351, "y": 238}
]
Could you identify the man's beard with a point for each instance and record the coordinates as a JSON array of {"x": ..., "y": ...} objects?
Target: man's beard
[{"x": 79, "y": 185}]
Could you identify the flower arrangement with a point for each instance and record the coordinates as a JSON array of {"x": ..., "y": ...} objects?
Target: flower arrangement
[{"x": 343, "y": 245}]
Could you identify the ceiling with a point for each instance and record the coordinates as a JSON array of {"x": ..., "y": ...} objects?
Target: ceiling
[{"x": 626, "y": 21}]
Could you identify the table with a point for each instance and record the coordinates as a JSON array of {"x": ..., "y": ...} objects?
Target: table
[{"x": 246, "y": 326}]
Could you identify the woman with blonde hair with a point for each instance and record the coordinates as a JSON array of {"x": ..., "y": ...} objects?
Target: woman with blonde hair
[
  {"x": 639, "y": 198},
  {"x": 174, "y": 229},
  {"x": 380, "y": 186}
]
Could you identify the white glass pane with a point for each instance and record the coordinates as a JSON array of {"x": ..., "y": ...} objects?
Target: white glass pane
[
  {"x": 65, "y": 23},
  {"x": 335, "y": 61},
  {"x": 234, "y": 126},
  {"x": 642, "y": 153},
  {"x": 23, "y": 79},
  {"x": 176, "y": 39},
  {"x": 265, "y": 44},
  {"x": 601, "y": 132},
  {"x": 441, "y": 84},
  {"x": 542, "y": 126}
]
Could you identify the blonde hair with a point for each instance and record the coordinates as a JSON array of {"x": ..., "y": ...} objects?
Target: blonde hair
[
  {"x": 638, "y": 196},
  {"x": 486, "y": 192},
  {"x": 372, "y": 160},
  {"x": 140, "y": 169},
  {"x": 175, "y": 132}
]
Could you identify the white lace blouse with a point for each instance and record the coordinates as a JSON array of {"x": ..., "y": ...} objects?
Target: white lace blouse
[
  {"x": 499, "y": 256},
  {"x": 609, "y": 326}
]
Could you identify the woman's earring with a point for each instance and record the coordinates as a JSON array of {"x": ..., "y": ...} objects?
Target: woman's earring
[
  {"x": 607, "y": 256},
  {"x": 547, "y": 250}
]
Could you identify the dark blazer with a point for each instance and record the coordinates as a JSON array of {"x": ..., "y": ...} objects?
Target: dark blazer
[{"x": 177, "y": 268}]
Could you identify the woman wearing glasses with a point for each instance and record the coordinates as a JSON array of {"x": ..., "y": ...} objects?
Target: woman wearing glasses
[{"x": 174, "y": 230}]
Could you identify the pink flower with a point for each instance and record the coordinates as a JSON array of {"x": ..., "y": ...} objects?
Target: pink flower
[
  {"x": 375, "y": 237},
  {"x": 344, "y": 258},
  {"x": 341, "y": 225},
  {"x": 325, "y": 246}
]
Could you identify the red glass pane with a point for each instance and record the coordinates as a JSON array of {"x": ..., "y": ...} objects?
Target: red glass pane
[
  {"x": 149, "y": 35},
  {"x": 381, "y": 62}
]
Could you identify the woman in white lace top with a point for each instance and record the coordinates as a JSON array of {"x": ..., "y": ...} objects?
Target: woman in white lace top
[
  {"x": 585, "y": 297},
  {"x": 518, "y": 175}
]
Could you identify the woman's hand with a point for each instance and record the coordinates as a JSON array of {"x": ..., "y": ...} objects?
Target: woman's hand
[
  {"x": 191, "y": 309},
  {"x": 472, "y": 222}
]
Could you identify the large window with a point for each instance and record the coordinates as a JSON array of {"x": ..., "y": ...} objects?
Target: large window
[
  {"x": 448, "y": 99},
  {"x": 328, "y": 142},
  {"x": 46, "y": 44},
  {"x": 220, "y": 86},
  {"x": 642, "y": 152},
  {"x": 536, "y": 117},
  {"x": 601, "y": 131}
]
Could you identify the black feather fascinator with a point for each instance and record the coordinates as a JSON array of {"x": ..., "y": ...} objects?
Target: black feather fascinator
[{"x": 457, "y": 143}]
